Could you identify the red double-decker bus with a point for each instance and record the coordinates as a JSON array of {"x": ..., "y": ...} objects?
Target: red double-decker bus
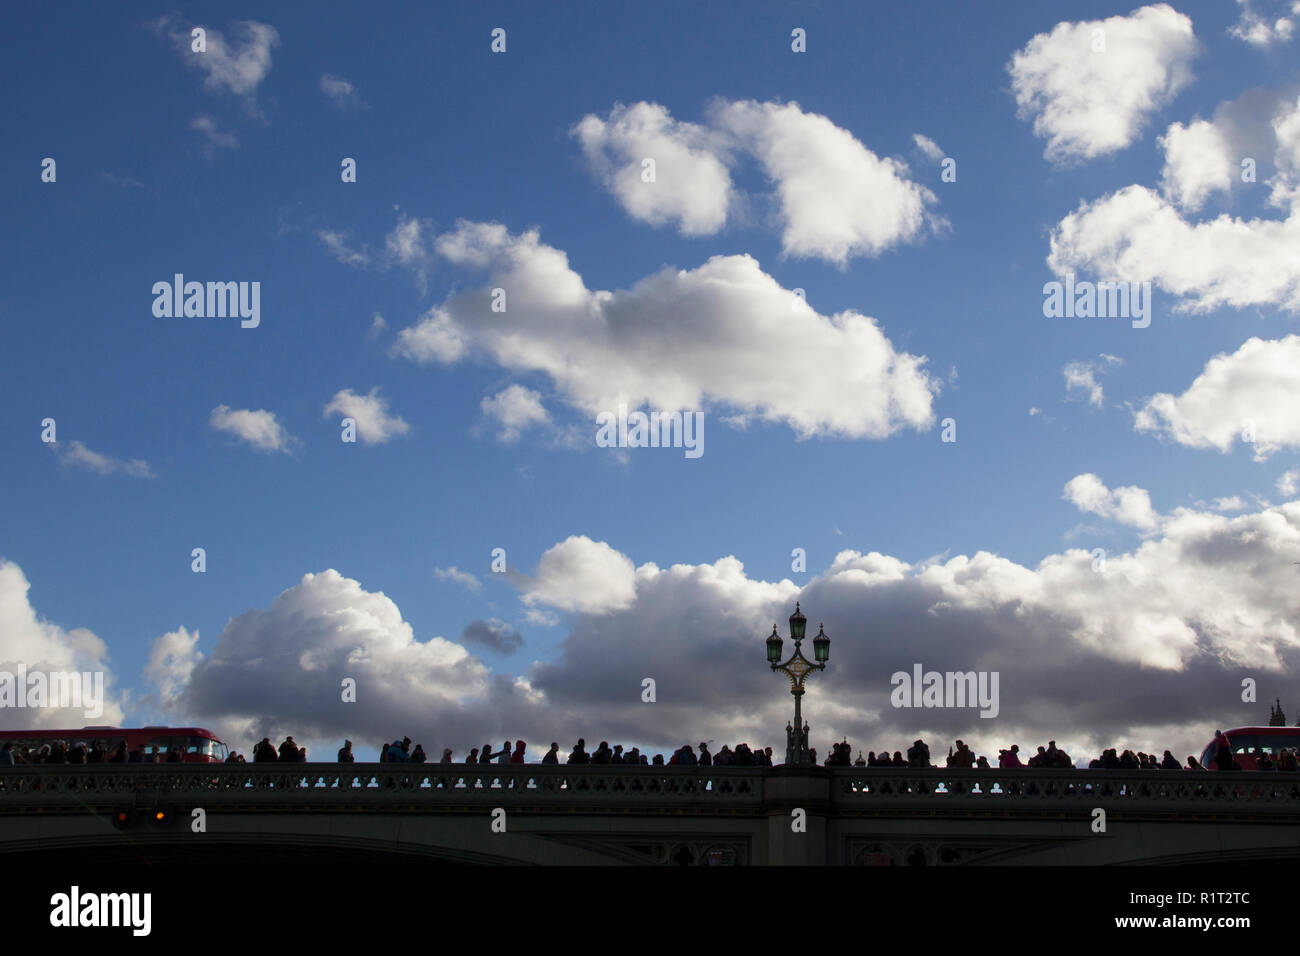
[
  {"x": 194, "y": 744},
  {"x": 1247, "y": 743}
]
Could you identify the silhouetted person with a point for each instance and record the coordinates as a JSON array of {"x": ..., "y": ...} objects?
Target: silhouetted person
[
  {"x": 706, "y": 758},
  {"x": 119, "y": 753},
  {"x": 418, "y": 756},
  {"x": 289, "y": 750},
  {"x": 518, "y": 755},
  {"x": 579, "y": 753},
  {"x": 473, "y": 756},
  {"x": 602, "y": 754},
  {"x": 962, "y": 759},
  {"x": 552, "y": 755},
  {"x": 1223, "y": 757},
  {"x": 345, "y": 753},
  {"x": 446, "y": 756},
  {"x": 918, "y": 755},
  {"x": 1169, "y": 762}
]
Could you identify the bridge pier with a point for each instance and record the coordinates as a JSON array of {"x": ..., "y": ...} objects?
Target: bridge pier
[{"x": 797, "y": 801}]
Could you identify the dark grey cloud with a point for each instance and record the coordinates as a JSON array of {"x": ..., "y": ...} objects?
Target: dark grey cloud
[{"x": 494, "y": 634}]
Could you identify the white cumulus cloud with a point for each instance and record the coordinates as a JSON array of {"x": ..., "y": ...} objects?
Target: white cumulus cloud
[
  {"x": 691, "y": 185},
  {"x": 1090, "y": 86},
  {"x": 835, "y": 198},
  {"x": 676, "y": 339},
  {"x": 579, "y": 574},
  {"x": 280, "y": 670},
  {"x": 1251, "y": 394},
  {"x": 370, "y": 412},
  {"x": 259, "y": 428},
  {"x": 515, "y": 409},
  {"x": 43, "y": 647},
  {"x": 838, "y": 199},
  {"x": 1138, "y": 235},
  {"x": 1265, "y": 23},
  {"x": 1129, "y": 505}
]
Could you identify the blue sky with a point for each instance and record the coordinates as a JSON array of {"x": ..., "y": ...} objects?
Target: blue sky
[{"x": 228, "y": 169}]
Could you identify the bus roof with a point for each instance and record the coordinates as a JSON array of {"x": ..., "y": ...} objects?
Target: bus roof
[{"x": 73, "y": 732}]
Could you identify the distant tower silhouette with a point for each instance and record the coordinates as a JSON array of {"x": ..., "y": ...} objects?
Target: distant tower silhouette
[{"x": 1275, "y": 716}]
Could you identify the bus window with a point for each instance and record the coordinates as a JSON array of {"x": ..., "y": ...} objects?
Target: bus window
[{"x": 1273, "y": 744}]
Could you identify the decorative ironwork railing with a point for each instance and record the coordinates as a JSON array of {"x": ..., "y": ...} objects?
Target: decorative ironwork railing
[
  {"x": 305, "y": 785},
  {"x": 1048, "y": 789},
  {"x": 728, "y": 789}
]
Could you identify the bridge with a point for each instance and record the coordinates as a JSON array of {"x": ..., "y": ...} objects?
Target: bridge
[{"x": 547, "y": 814}]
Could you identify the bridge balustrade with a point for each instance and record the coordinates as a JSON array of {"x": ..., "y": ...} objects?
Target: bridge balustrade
[
  {"x": 881, "y": 787},
  {"x": 540, "y": 784},
  {"x": 378, "y": 784}
]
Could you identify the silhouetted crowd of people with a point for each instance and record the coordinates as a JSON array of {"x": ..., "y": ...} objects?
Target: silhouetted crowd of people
[
  {"x": 960, "y": 756},
  {"x": 266, "y": 752},
  {"x": 742, "y": 755}
]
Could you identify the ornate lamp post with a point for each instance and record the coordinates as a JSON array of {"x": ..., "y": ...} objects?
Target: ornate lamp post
[{"x": 797, "y": 668}]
